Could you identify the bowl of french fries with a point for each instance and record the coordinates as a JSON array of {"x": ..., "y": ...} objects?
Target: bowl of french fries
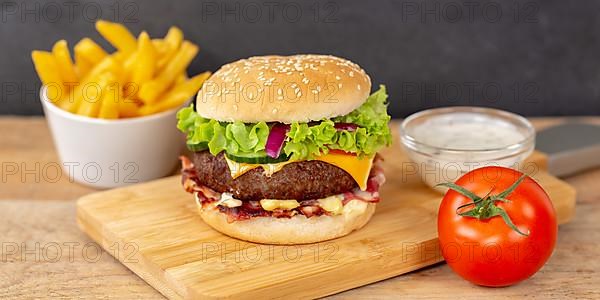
[{"x": 113, "y": 115}]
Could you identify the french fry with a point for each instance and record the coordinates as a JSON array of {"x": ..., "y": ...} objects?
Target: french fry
[
  {"x": 177, "y": 96},
  {"x": 150, "y": 90},
  {"x": 174, "y": 37},
  {"x": 108, "y": 64},
  {"x": 87, "y": 49},
  {"x": 172, "y": 41},
  {"x": 82, "y": 65},
  {"x": 143, "y": 76},
  {"x": 129, "y": 66},
  {"x": 130, "y": 90},
  {"x": 74, "y": 100},
  {"x": 66, "y": 69},
  {"x": 181, "y": 78},
  {"x": 90, "y": 106},
  {"x": 46, "y": 65},
  {"x": 117, "y": 35},
  {"x": 128, "y": 108},
  {"x": 145, "y": 59},
  {"x": 109, "y": 107},
  {"x": 122, "y": 57},
  {"x": 147, "y": 110},
  {"x": 160, "y": 46}
]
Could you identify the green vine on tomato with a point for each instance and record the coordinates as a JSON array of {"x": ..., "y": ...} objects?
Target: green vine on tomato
[{"x": 486, "y": 208}]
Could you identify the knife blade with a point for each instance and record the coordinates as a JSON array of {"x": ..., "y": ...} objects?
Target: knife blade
[{"x": 571, "y": 147}]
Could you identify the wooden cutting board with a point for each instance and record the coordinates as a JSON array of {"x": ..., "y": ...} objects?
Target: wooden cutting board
[{"x": 154, "y": 230}]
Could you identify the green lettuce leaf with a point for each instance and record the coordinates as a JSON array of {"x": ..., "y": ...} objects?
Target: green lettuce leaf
[
  {"x": 304, "y": 141},
  {"x": 235, "y": 138},
  {"x": 308, "y": 141}
]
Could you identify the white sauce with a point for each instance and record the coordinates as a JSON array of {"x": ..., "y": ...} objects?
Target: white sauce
[
  {"x": 449, "y": 145},
  {"x": 467, "y": 131}
]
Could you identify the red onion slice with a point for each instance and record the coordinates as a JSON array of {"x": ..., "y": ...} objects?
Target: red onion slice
[
  {"x": 276, "y": 139},
  {"x": 345, "y": 126}
]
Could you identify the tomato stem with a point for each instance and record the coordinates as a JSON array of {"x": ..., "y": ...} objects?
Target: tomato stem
[{"x": 485, "y": 207}]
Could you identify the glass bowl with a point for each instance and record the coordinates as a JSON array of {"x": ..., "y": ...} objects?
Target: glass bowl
[{"x": 445, "y": 143}]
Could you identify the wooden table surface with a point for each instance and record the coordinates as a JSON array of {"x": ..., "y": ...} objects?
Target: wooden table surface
[{"x": 44, "y": 254}]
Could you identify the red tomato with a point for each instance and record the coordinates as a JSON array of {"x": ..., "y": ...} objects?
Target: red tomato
[{"x": 487, "y": 250}]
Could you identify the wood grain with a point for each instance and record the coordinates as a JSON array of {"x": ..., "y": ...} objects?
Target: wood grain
[
  {"x": 30, "y": 165},
  {"x": 29, "y": 214},
  {"x": 184, "y": 258},
  {"x": 44, "y": 255}
]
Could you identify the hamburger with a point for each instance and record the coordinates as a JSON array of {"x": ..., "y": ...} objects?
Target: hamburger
[{"x": 284, "y": 148}]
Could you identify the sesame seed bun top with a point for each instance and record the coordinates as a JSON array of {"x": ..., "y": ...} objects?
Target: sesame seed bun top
[{"x": 297, "y": 88}]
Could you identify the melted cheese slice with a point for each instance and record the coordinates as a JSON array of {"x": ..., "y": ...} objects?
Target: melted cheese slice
[
  {"x": 357, "y": 168},
  {"x": 332, "y": 204},
  {"x": 238, "y": 169},
  {"x": 273, "y": 204}
]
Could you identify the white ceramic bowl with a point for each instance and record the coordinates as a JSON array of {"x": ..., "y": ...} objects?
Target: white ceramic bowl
[{"x": 111, "y": 153}]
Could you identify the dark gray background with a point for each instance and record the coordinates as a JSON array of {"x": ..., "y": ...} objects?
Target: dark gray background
[{"x": 530, "y": 57}]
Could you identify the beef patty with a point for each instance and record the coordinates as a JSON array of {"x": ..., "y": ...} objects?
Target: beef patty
[{"x": 299, "y": 181}]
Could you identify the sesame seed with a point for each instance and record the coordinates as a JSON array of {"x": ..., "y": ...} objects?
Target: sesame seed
[{"x": 264, "y": 67}]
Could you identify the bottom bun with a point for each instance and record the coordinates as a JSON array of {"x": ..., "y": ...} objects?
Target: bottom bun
[{"x": 295, "y": 230}]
